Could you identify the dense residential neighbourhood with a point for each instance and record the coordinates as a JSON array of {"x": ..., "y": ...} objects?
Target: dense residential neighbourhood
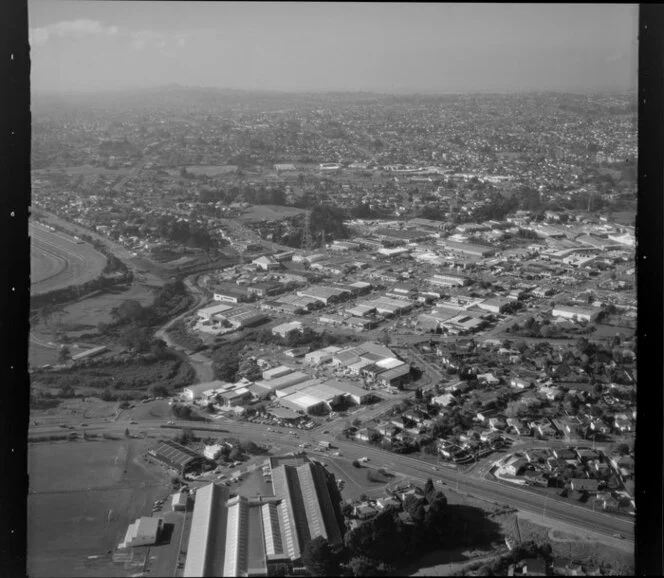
[{"x": 350, "y": 334}]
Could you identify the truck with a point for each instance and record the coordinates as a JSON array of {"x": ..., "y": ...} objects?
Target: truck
[
  {"x": 325, "y": 445},
  {"x": 363, "y": 460}
]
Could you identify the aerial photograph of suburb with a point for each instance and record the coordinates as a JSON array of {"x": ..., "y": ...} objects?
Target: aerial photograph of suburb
[{"x": 332, "y": 289}]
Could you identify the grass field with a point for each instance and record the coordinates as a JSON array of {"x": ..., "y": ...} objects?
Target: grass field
[
  {"x": 82, "y": 496},
  {"x": 59, "y": 261},
  {"x": 86, "y": 170},
  {"x": 79, "y": 318},
  {"x": 269, "y": 213}
]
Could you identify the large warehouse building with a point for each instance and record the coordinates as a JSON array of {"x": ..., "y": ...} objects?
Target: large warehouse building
[
  {"x": 176, "y": 456},
  {"x": 258, "y": 536}
]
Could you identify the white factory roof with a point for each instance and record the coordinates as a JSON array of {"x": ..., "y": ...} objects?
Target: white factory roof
[
  {"x": 389, "y": 363},
  {"x": 214, "y": 309}
]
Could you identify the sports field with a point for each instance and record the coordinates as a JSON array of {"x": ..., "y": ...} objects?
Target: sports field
[
  {"x": 269, "y": 213},
  {"x": 58, "y": 261},
  {"x": 82, "y": 496}
]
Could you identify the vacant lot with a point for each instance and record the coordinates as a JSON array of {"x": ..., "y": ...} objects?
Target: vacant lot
[
  {"x": 78, "y": 319},
  {"x": 132, "y": 377},
  {"x": 60, "y": 261},
  {"x": 90, "y": 312},
  {"x": 579, "y": 547},
  {"x": 269, "y": 213},
  {"x": 81, "y": 498}
]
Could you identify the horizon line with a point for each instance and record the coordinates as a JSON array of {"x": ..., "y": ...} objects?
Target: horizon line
[{"x": 337, "y": 91}]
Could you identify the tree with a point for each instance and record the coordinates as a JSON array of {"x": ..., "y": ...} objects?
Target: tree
[
  {"x": 320, "y": 559},
  {"x": 64, "y": 355},
  {"x": 623, "y": 449},
  {"x": 126, "y": 432},
  {"x": 186, "y": 436},
  {"x": 363, "y": 566},
  {"x": 249, "y": 369},
  {"x": 158, "y": 390},
  {"x": 429, "y": 490},
  {"x": 418, "y": 394},
  {"x": 415, "y": 508}
]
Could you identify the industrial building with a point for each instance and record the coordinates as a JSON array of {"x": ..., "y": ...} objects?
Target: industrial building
[
  {"x": 176, "y": 456},
  {"x": 466, "y": 248},
  {"x": 230, "y": 294},
  {"x": 264, "y": 535},
  {"x": 286, "y": 329},
  {"x": 321, "y": 356},
  {"x": 448, "y": 279},
  {"x": 143, "y": 532},
  {"x": 278, "y": 383},
  {"x": 207, "y": 313},
  {"x": 325, "y": 294},
  {"x": 577, "y": 313},
  {"x": 276, "y": 372}
]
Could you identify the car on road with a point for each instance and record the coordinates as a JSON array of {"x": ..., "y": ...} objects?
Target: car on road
[
  {"x": 326, "y": 431},
  {"x": 133, "y": 422},
  {"x": 84, "y": 425},
  {"x": 436, "y": 468},
  {"x": 619, "y": 536}
]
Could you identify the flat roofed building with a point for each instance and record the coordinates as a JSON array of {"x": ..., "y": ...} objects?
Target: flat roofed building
[
  {"x": 321, "y": 355},
  {"x": 286, "y": 329},
  {"x": 361, "y": 310},
  {"x": 229, "y": 294},
  {"x": 448, "y": 279},
  {"x": 206, "y": 313},
  {"x": 467, "y": 248},
  {"x": 395, "y": 376},
  {"x": 574, "y": 313},
  {"x": 277, "y": 372},
  {"x": 247, "y": 319},
  {"x": 286, "y": 391},
  {"x": 284, "y": 381},
  {"x": 374, "y": 348},
  {"x": 143, "y": 532},
  {"x": 357, "y": 394},
  {"x": 325, "y": 294},
  {"x": 495, "y": 305},
  {"x": 179, "y": 501},
  {"x": 236, "y": 397},
  {"x": 389, "y": 363}
]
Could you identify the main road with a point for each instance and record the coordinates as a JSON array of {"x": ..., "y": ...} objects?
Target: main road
[{"x": 482, "y": 488}]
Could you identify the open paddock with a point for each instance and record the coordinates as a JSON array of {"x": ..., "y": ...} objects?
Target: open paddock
[
  {"x": 81, "y": 499},
  {"x": 269, "y": 213}
]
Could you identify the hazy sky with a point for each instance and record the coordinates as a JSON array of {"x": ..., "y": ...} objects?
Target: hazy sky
[{"x": 90, "y": 46}]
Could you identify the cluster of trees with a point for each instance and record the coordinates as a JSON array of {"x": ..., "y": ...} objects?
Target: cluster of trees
[
  {"x": 307, "y": 337},
  {"x": 532, "y": 327},
  {"x": 182, "y": 232},
  {"x": 226, "y": 361},
  {"x": 133, "y": 323},
  {"x": 326, "y": 223},
  {"x": 386, "y": 540},
  {"x": 74, "y": 292},
  {"x": 256, "y": 195},
  {"x": 452, "y": 422}
]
